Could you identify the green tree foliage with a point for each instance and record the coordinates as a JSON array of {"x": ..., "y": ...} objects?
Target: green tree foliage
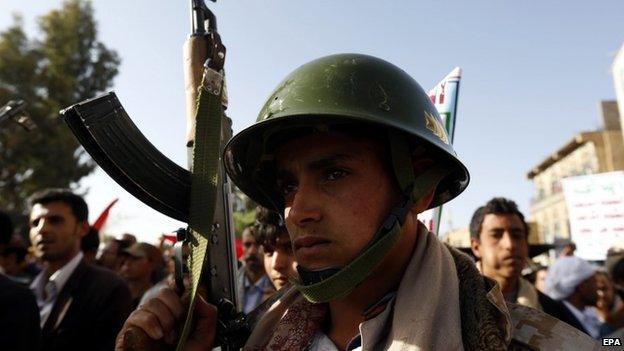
[{"x": 65, "y": 65}]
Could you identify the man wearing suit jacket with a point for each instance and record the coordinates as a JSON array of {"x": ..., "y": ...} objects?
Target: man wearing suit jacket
[
  {"x": 81, "y": 306},
  {"x": 19, "y": 316}
]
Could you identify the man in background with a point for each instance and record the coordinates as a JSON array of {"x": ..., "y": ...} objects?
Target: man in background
[
  {"x": 138, "y": 267},
  {"x": 499, "y": 241},
  {"x": 90, "y": 244},
  {"x": 81, "y": 306},
  {"x": 19, "y": 315},
  {"x": 251, "y": 277},
  {"x": 111, "y": 256},
  {"x": 573, "y": 281}
]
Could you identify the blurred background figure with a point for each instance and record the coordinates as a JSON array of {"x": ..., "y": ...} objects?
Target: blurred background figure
[
  {"x": 168, "y": 270},
  {"x": 80, "y": 305},
  {"x": 567, "y": 250},
  {"x": 90, "y": 244},
  {"x": 138, "y": 268},
  {"x": 276, "y": 248},
  {"x": 499, "y": 241},
  {"x": 251, "y": 279},
  {"x": 573, "y": 281},
  {"x": 540, "y": 278},
  {"x": 13, "y": 261},
  {"x": 111, "y": 255},
  {"x": 129, "y": 238},
  {"x": 6, "y": 232},
  {"x": 19, "y": 314}
]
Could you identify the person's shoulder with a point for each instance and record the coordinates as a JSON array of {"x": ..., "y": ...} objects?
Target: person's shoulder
[
  {"x": 10, "y": 288},
  {"x": 538, "y": 330},
  {"x": 549, "y": 303},
  {"x": 102, "y": 277}
]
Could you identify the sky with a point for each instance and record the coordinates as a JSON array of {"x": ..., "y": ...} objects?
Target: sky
[{"x": 533, "y": 75}]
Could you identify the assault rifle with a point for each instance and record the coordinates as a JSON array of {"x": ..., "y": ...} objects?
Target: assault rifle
[{"x": 200, "y": 197}]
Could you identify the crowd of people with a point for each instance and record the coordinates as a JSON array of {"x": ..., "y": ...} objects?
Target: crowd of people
[
  {"x": 339, "y": 190},
  {"x": 70, "y": 290}
]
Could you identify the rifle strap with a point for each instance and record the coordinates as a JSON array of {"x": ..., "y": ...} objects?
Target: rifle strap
[{"x": 204, "y": 182}]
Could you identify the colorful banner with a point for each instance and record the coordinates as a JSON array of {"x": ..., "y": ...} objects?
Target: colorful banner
[
  {"x": 444, "y": 96},
  {"x": 596, "y": 212}
]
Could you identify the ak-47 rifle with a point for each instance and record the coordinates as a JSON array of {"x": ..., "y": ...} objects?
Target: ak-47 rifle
[{"x": 200, "y": 197}]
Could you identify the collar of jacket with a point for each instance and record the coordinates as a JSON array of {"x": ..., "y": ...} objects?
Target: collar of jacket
[{"x": 64, "y": 299}]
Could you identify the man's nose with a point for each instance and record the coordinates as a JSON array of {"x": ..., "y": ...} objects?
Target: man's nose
[
  {"x": 279, "y": 260},
  {"x": 253, "y": 249},
  {"x": 304, "y": 208},
  {"x": 508, "y": 241}
]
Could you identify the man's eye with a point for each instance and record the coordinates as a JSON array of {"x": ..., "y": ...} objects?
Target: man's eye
[
  {"x": 287, "y": 188},
  {"x": 335, "y": 174}
]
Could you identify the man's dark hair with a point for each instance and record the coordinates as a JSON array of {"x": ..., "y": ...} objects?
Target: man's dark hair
[
  {"x": 91, "y": 241},
  {"x": 498, "y": 206},
  {"x": 75, "y": 202},
  {"x": 19, "y": 252},
  {"x": 268, "y": 227},
  {"x": 6, "y": 228}
]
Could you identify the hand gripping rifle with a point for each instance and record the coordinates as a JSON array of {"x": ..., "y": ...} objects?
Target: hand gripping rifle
[{"x": 200, "y": 197}]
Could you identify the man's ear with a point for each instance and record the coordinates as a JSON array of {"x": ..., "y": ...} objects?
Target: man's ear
[
  {"x": 83, "y": 228},
  {"x": 474, "y": 246},
  {"x": 422, "y": 204},
  {"x": 419, "y": 165}
]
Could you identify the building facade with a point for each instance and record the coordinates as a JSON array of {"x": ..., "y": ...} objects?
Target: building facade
[
  {"x": 586, "y": 153},
  {"x": 617, "y": 69}
]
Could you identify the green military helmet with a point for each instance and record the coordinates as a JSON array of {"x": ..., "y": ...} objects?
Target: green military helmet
[{"x": 341, "y": 89}]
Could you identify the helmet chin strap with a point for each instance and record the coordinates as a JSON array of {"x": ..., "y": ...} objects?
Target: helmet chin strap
[{"x": 332, "y": 283}]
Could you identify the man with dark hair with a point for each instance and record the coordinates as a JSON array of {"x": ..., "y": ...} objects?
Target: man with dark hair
[
  {"x": 349, "y": 150},
  {"x": 276, "y": 248},
  {"x": 251, "y": 279},
  {"x": 138, "y": 268},
  {"x": 111, "y": 256},
  {"x": 499, "y": 241},
  {"x": 81, "y": 306},
  {"x": 90, "y": 244},
  {"x": 19, "y": 316}
]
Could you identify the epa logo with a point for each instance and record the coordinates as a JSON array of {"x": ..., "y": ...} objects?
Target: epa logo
[{"x": 611, "y": 342}]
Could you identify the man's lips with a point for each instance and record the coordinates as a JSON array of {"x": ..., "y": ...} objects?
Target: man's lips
[
  {"x": 309, "y": 241},
  {"x": 45, "y": 242},
  {"x": 513, "y": 259}
]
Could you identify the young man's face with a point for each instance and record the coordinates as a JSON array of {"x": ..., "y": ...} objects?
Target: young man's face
[
  {"x": 502, "y": 246},
  {"x": 55, "y": 232},
  {"x": 337, "y": 192},
  {"x": 136, "y": 268},
  {"x": 279, "y": 261}
]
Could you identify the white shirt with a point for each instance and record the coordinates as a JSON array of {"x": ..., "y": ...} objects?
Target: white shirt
[
  {"x": 370, "y": 331},
  {"x": 586, "y": 320},
  {"x": 46, "y": 291}
]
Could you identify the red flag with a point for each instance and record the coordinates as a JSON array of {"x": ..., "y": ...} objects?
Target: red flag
[{"x": 99, "y": 222}]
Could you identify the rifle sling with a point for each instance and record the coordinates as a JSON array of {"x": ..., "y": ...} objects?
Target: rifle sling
[{"x": 204, "y": 183}]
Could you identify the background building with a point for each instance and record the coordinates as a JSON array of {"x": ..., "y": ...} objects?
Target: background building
[
  {"x": 586, "y": 153},
  {"x": 617, "y": 69}
]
